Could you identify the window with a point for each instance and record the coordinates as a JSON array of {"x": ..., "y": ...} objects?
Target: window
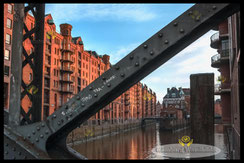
[
  {"x": 6, "y": 70},
  {"x": 9, "y": 23},
  {"x": 32, "y": 25},
  {"x": 10, "y": 8},
  {"x": 7, "y": 55},
  {"x": 30, "y": 76},
  {"x": 8, "y": 39}
]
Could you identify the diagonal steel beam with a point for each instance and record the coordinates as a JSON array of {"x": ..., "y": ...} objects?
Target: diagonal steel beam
[{"x": 50, "y": 136}]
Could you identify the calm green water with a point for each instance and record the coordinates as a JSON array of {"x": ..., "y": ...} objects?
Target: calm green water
[{"x": 140, "y": 144}]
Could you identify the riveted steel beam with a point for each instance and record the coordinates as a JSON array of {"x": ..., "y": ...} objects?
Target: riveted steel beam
[{"x": 50, "y": 135}]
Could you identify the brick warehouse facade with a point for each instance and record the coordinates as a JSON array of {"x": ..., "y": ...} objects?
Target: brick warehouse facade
[
  {"x": 176, "y": 103},
  {"x": 227, "y": 43},
  {"x": 67, "y": 69}
]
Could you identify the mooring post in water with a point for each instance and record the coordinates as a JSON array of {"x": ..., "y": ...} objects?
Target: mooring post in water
[{"x": 202, "y": 108}]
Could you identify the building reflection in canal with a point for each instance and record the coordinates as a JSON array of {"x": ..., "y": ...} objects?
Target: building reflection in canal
[{"x": 139, "y": 144}]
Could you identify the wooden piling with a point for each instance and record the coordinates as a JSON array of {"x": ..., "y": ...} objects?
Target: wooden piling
[{"x": 202, "y": 108}]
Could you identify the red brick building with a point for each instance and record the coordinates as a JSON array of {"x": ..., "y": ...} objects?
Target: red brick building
[
  {"x": 67, "y": 69},
  {"x": 8, "y": 27},
  {"x": 176, "y": 103},
  {"x": 220, "y": 41},
  {"x": 227, "y": 43}
]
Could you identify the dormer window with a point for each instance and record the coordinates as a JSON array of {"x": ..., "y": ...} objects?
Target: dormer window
[{"x": 50, "y": 21}]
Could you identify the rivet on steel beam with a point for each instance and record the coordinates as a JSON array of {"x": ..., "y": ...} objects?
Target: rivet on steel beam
[
  {"x": 117, "y": 67},
  {"x": 66, "y": 107},
  {"x": 41, "y": 136},
  {"x": 160, "y": 35},
  {"x": 43, "y": 125},
  {"x": 54, "y": 116},
  {"x": 95, "y": 95},
  {"x": 214, "y": 7},
  {"x": 145, "y": 46},
  {"x": 19, "y": 153},
  {"x": 182, "y": 30},
  {"x": 46, "y": 132},
  {"x": 108, "y": 85},
  {"x": 33, "y": 132},
  {"x": 197, "y": 19},
  {"x": 82, "y": 105},
  {"x": 70, "y": 114},
  {"x": 166, "y": 41},
  {"x": 59, "y": 123},
  {"x": 190, "y": 13},
  {"x": 37, "y": 140},
  {"x": 90, "y": 88},
  {"x": 78, "y": 97},
  {"x": 6, "y": 144},
  {"x": 104, "y": 78},
  {"x": 29, "y": 136},
  {"x": 6, "y": 152},
  {"x": 136, "y": 64},
  {"x": 175, "y": 24},
  {"x": 151, "y": 52},
  {"x": 37, "y": 128},
  {"x": 131, "y": 57},
  {"x": 14, "y": 149},
  {"x": 122, "y": 75}
]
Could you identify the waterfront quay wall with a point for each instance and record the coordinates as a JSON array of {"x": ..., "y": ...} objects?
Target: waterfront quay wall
[{"x": 89, "y": 132}]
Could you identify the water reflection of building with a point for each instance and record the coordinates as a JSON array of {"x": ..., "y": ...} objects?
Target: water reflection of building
[{"x": 176, "y": 103}]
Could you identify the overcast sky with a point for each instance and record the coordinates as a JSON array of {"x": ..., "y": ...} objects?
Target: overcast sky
[{"x": 117, "y": 29}]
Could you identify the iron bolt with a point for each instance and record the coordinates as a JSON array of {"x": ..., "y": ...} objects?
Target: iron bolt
[
  {"x": 95, "y": 95},
  {"x": 131, "y": 57},
  {"x": 37, "y": 140},
  {"x": 104, "y": 78},
  {"x": 136, "y": 64},
  {"x": 214, "y": 7},
  {"x": 38, "y": 128},
  {"x": 166, "y": 41},
  {"x": 78, "y": 97},
  {"x": 90, "y": 88},
  {"x": 41, "y": 136},
  {"x": 145, "y": 46},
  {"x": 117, "y": 67},
  {"x": 151, "y": 52},
  {"x": 175, "y": 24},
  {"x": 108, "y": 84},
  {"x": 160, "y": 35},
  {"x": 122, "y": 75},
  {"x": 43, "y": 125},
  {"x": 182, "y": 31},
  {"x": 82, "y": 105}
]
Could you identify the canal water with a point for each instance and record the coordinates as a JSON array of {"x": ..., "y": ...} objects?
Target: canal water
[{"x": 140, "y": 144}]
